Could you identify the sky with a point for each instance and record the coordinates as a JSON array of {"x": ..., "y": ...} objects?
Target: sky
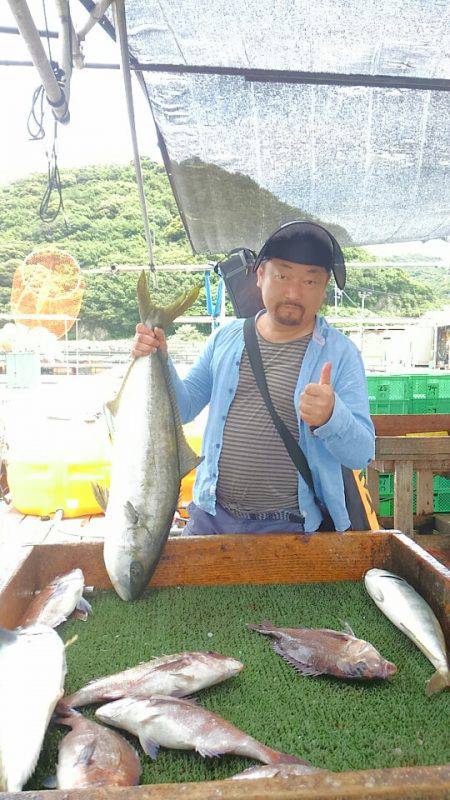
[{"x": 98, "y": 132}]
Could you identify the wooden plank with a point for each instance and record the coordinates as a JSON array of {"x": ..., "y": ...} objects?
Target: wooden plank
[
  {"x": 94, "y": 530},
  {"x": 403, "y": 497},
  {"x": 34, "y": 530},
  {"x": 424, "y": 491},
  {"x": 373, "y": 486},
  {"x": 400, "y": 424},
  {"x": 430, "y": 578},
  {"x": 439, "y": 465},
  {"x": 405, "y": 783},
  {"x": 18, "y": 582},
  {"x": 437, "y": 545},
  {"x": 242, "y": 555},
  {"x": 231, "y": 559},
  {"x": 397, "y": 447}
]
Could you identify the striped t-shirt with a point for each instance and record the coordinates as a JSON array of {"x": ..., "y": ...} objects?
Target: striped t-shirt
[{"x": 256, "y": 473}]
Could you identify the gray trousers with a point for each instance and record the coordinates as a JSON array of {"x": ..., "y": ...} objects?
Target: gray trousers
[{"x": 201, "y": 523}]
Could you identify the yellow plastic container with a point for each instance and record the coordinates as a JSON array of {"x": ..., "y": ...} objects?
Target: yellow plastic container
[
  {"x": 194, "y": 436},
  {"x": 56, "y": 469}
]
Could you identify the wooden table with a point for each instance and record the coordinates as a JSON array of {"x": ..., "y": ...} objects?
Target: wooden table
[{"x": 252, "y": 559}]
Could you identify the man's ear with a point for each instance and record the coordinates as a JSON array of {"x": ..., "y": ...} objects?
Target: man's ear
[{"x": 260, "y": 273}]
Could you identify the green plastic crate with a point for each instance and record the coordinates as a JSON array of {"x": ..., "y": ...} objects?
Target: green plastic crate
[
  {"x": 386, "y": 485},
  {"x": 409, "y": 394},
  {"x": 386, "y": 508},
  {"x": 388, "y": 394},
  {"x": 442, "y": 502}
]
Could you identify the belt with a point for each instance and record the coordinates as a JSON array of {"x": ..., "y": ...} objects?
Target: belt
[{"x": 287, "y": 516}]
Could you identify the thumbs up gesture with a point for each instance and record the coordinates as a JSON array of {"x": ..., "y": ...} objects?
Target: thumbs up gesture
[{"x": 317, "y": 399}]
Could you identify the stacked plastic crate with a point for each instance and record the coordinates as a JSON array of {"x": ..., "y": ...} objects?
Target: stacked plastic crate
[{"x": 410, "y": 394}]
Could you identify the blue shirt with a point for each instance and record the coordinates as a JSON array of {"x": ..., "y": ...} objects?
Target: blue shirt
[{"x": 348, "y": 438}]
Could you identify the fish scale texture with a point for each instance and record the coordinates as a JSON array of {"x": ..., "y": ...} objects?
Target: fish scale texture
[{"x": 335, "y": 724}]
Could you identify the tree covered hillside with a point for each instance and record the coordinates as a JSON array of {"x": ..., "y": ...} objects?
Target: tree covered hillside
[{"x": 102, "y": 225}]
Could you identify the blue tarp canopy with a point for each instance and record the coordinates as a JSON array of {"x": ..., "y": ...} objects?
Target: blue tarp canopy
[{"x": 335, "y": 111}]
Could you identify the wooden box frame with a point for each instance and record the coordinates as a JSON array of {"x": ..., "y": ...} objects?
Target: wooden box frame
[{"x": 252, "y": 559}]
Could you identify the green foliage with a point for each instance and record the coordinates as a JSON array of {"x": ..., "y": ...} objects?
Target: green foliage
[{"x": 102, "y": 226}]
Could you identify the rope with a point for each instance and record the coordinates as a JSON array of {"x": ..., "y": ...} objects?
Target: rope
[
  {"x": 53, "y": 184},
  {"x": 36, "y": 115}
]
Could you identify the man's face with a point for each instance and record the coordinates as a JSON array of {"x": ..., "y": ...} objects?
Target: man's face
[{"x": 292, "y": 293}]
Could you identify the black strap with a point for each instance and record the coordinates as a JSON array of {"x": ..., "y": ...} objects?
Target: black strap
[{"x": 254, "y": 356}]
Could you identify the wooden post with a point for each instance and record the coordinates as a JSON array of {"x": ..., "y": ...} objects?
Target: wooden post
[
  {"x": 424, "y": 491},
  {"x": 403, "y": 497}
]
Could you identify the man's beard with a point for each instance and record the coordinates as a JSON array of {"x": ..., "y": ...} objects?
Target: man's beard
[{"x": 289, "y": 315}]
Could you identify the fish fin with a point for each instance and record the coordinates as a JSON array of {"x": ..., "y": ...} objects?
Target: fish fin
[
  {"x": 83, "y": 609},
  {"x": 439, "y": 681},
  {"x": 131, "y": 513},
  {"x": 206, "y": 752},
  {"x": 187, "y": 457},
  {"x": 85, "y": 756},
  {"x": 7, "y": 637},
  {"x": 346, "y": 628},
  {"x": 300, "y": 666},
  {"x": 161, "y": 316},
  {"x": 149, "y": 746},
  {"x": 101, "y": 495},
  {"x": 50, "y": 782}
]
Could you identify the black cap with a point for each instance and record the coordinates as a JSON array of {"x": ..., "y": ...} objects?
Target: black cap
[{"x": 305, "y": 243}]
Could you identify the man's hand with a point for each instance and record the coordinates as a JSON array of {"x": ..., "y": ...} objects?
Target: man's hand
[
  {"x": 317, "y": 400},
  {"x": 148, "y": 341}
]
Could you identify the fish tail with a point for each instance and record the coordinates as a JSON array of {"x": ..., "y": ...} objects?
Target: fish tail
[
  {"x": 161, "y": 316},
  {"x": 275, "y": 757},
  {"x": 439, "y": 681},
  {"x": 64, "y": 715}
]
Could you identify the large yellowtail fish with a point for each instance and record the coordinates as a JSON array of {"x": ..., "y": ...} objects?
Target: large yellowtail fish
[
  {"x": 32, "y": 672},
  {"x": 150, "y": 457},
  {"x": 411, "y": 614}
]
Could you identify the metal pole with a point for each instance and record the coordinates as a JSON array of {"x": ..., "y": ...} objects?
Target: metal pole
[
  {"x": 67, "y": 346},
  {"x": 94, "y": 17},
  {"x": 121, "y": 28},
  {"x": 77, "y": 350},
  {"x": 55, "y": 94}
]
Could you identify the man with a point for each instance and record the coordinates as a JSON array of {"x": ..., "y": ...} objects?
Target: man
[{"x": 247, "y": 481}]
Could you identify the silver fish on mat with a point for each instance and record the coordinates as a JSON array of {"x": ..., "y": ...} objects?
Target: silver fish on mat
[
  {"x": 150, "y": 457},
  {"x": 92, "y": 755},
  {"x": 57, "y": 601},
  {"x": 176, "y": 675},
  {"x": 32, "y": 671},
  {"x": 320, "y": 651},
  {"x": 276, "y": 771},
  {"x": 412, "y": 615},
  {"x": 181, "y": 724}
]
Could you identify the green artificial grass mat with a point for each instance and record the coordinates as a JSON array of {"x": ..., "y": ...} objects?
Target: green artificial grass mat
[{"x": 338, "y": 725}]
